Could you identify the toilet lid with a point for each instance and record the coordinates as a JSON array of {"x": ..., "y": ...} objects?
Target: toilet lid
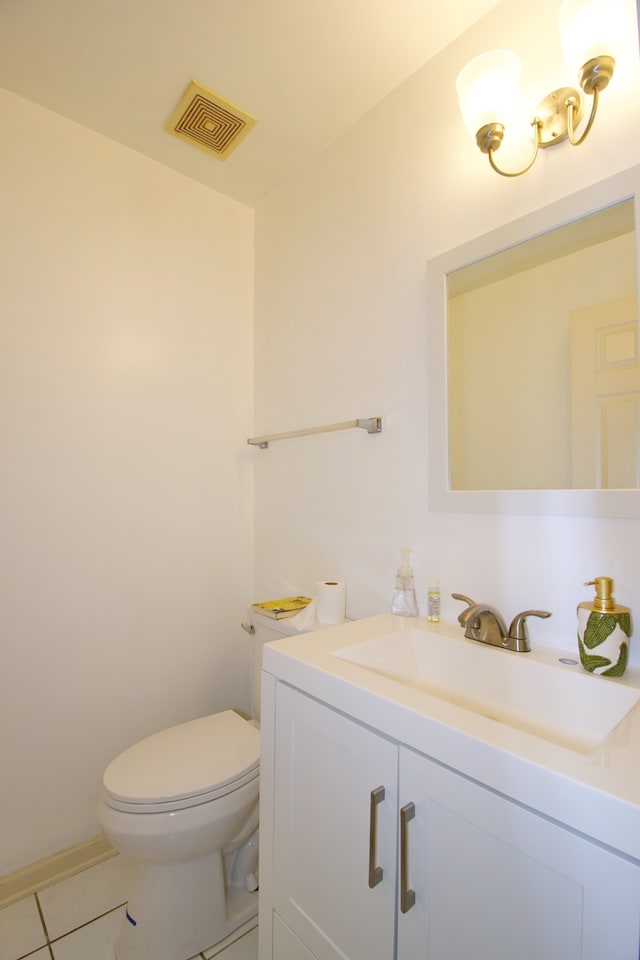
[{"x": 186, "y": 761}]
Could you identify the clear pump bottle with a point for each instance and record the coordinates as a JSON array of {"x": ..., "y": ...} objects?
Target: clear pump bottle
[{"x": 404, "y": 602}]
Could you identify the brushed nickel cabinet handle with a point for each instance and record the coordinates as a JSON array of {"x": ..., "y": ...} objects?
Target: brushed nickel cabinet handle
[
  {"x": 375, "y": 872},
  {"x": 407, "y": 895}
]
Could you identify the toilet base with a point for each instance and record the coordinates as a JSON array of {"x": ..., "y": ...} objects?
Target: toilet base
[{"x": 178, "y": 910}]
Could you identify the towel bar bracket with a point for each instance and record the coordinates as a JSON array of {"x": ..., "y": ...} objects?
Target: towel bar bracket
[{"x": 372, "y": 425}]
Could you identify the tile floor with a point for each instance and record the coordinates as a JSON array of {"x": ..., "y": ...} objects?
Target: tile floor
[{"x": 79, "y": 919}]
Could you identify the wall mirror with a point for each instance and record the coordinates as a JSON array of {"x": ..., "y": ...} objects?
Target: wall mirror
[{"x": 534, "y": 362}]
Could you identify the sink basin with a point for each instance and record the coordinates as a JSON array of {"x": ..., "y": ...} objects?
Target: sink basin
[{"x": 534, "y": 692}]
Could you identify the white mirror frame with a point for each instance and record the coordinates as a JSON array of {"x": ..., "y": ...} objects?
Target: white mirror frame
[{"x": 588, "y": 503}]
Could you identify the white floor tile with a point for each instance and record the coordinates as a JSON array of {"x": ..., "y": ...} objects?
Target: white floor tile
[
  {"x": 96, "y": 941},
  {"x": 83, "y": 924},
  {"x": 245, "y": 947},
  {"x": 75, "y": 901},
  {"x": 20, "y": 929}
]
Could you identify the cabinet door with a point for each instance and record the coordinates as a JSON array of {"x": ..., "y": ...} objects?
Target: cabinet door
[
  {"x": 332, "y": 823},
  {"x": 286, "y": 946},
  {"x": 494, "y": 881}
]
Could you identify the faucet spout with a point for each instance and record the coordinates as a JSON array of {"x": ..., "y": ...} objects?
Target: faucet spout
[{"x": 484, "y": 623}]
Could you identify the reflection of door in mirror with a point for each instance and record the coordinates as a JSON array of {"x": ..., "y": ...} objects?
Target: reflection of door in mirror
[
  {"x": 509, "y": 359},
  {"x": 605, "y": 396}
]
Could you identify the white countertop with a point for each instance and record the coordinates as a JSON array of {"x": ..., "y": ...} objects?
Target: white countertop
[{"x": 596, "y": 794}]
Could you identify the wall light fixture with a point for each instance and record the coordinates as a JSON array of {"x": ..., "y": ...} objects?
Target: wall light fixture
[{"x": 591, "y": 32}]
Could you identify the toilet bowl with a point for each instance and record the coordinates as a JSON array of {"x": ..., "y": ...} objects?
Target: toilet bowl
[{"x": 182, "y": 804}]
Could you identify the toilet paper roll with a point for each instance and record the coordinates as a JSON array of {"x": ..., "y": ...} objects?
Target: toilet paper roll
[{"x": 331, "y": 601}]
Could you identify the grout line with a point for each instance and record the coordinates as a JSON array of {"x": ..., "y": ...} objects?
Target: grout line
[
  {"x": 45, "y": 946},
  {"x": 44, "y": 927},
  {"x": 237, "y": 939},
  {"x": 25, "y": 956},
  {"x": 87, "y": 923},
  {"x": 41, "y": 914}
]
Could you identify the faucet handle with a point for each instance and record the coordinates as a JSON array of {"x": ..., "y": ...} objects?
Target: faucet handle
[
  {"x": 460, "y": 596},
  {"x": 519, "y": 631},
  {"x": 470, "y": 628}
]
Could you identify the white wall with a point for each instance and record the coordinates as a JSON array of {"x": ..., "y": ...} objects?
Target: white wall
[
  {"x": 125, "y": 401},
  {"x": 341, "y": 333},
  {"x": 126, "y": 297}
]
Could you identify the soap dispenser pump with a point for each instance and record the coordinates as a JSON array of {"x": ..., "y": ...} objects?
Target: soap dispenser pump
[
  {"x": 604, "y": 631},
  {"x": 404, "y": 602}
]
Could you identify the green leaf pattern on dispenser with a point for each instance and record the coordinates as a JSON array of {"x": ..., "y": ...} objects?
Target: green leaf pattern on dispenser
[
  {"x": 604, "y": 644},
  {"x": 593, "y": 663},
  {"x": 602, "y": 626},
  {"x": 619, "y": 668}
]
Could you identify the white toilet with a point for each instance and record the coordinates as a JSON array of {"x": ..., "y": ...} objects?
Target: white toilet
[{"x": 183, "y": 805}]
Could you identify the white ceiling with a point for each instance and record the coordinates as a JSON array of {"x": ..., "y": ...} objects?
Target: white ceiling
[{"x": 307, "y": 69}]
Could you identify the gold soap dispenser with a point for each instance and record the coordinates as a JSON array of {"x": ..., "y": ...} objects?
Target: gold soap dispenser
[{"x": 604, "y": 631}]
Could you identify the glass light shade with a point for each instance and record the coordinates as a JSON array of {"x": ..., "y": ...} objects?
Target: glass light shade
[
  {"x": 488, "y": 88},
  {"x": 595, "y": 28}
]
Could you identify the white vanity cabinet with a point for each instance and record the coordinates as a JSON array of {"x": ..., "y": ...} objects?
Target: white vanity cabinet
[
  {"x": 495, "y": 881},
  {"x": 376, "y": 852},
  {"x": 328, "y": 806}
]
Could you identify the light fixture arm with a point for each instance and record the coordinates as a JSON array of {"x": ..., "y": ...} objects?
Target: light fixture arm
[
  {"x": 571, "y": 120},
  {"x": 495, "y": 143},
  {"x": 594, "y": 77}
]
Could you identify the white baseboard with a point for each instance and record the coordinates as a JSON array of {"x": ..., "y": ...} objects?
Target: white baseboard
[{"x": 59, "y": 866}]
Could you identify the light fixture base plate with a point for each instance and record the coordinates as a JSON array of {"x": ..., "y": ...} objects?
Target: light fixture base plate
[{"x": 552, "y": 115}]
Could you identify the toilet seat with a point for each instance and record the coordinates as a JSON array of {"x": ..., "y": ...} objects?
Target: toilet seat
[{"x": 184, "y": 766}]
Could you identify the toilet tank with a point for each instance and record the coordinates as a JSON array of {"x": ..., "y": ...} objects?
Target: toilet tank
[{"x": 266, "y": 630}]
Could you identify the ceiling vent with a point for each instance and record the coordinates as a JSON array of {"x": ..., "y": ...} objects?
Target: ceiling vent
[{"x": 205, "y": 120}]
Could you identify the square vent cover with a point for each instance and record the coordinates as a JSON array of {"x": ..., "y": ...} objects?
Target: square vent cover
[{"x": 205, "y": 120}]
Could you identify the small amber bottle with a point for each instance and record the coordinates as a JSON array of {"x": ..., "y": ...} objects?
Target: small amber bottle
[{"x": 604, "y": 631}]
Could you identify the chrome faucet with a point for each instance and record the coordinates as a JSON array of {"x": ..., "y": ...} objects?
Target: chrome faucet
[{"x": 484, "y": 623}]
